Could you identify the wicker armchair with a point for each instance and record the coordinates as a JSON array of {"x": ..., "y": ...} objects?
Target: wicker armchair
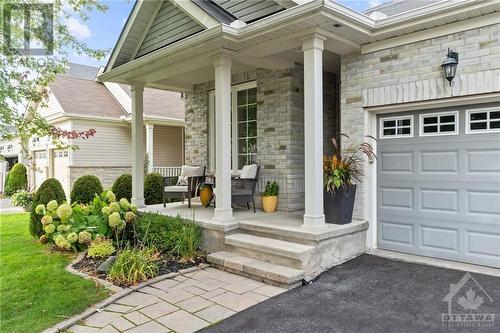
[
  {"x": 185, "y": 185},
  {"x": 243, "y": 188}
]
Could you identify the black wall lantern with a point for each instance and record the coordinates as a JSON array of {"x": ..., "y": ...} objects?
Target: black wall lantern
[{"x": 450, "y": 65}]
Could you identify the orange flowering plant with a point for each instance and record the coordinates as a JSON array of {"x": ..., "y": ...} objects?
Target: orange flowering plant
[{"x": 342, "y": 168}]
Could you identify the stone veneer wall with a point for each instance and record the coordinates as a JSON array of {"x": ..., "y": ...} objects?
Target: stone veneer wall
[
  {"x": 388, "y": 72},
  {"x": 280, "y": 127},
  {"x": 107, "y": 175}
]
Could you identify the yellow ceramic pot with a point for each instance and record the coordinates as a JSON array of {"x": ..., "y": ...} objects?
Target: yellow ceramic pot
[
  {"x": 269, "y": 204},
  {"x": 205, "y": 195}
]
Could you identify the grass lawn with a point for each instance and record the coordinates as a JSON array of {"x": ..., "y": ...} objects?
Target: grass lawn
[{"x": 35, "y": 290}]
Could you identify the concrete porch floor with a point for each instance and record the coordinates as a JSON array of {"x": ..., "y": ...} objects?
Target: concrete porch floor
[{"x": 289, "y": 223}]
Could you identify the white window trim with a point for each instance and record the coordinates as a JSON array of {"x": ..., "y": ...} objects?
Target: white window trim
[
  {"x": 482, "y": 131},
  {"x": 234, "y": 115},
  {"x": 439, "y": 114},
  {"x": 396, "y": 136}
]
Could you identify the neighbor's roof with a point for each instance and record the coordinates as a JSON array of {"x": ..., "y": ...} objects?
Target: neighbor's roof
[
  {"x": 394, "y": 7},
  {"x": 79, "y": 94},
  {"x": 169, "y": 100}
]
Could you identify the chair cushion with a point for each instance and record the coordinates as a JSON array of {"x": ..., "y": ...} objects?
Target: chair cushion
[
  {"x": 249, "y": 171},
  {"x": 189, "y": 171},
  {"x": 176, "y": 188}
]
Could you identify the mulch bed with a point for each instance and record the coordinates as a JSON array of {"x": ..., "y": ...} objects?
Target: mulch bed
[{"x": 166, "y": 264}]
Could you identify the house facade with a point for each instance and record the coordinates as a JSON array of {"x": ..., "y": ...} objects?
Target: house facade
[
  {"x": 272, "y": 82},
  {"x": 77, "y": 103}
]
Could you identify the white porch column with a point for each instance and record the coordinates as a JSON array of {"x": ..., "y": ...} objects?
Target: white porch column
[
  {"x": 137, "y": 145},
  {"x": 223, "y": 210},
  {"x": 149, "y": 146},
  {"x": 313, "y": 130}
]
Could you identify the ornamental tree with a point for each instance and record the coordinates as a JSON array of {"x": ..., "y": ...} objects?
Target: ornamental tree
[{"x": 35, "y": 42}]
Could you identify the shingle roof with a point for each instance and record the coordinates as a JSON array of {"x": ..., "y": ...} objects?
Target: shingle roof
[
  {"x": 81, "y": 71},
  {"x": 161, "y": 103},
  {"x": 78, "y": 93},
  {"x": 85, "y": 97},
  {"x": 394, "y": 7}
]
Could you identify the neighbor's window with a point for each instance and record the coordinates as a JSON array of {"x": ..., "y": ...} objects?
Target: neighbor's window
[
  {"x": 246, "y": 104},
  {"x": 482, "y": 121},
  {"x": 444, "y": 123},
  {"x": 396, "y": 127}
]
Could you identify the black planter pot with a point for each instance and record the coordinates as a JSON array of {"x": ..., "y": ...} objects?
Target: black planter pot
[{"x": 338, "y": 207}]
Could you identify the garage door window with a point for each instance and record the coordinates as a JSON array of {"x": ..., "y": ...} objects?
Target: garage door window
[
  {"x": 439, "y": 124},
  {"x": 483, "y": 121},
  {"x": 396, "y": 127}
]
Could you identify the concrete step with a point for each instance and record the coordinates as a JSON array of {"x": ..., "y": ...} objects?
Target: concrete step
[
  {"x": 270, "y": 273},
  {"x": 270, "y": 250}
]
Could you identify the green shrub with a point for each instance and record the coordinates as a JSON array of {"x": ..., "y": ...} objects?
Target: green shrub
[
  {"x": 22, "y": 198},
  {"x": 188, "y": 240},
  {"x": 6, "y": 181},
  {"x": 17, "y": 179},
  {"x": 133, "y": 266},
  {"x": 122, "y": 187},
  {"x": 101, "y": 247},
  {"x": 153, "y": 185},
  {"x": 85, "y": 189},
  {"x": 158, "y": 230},
  {"x": 49, "y": 190},
  {"x": 169, "y": 234}
]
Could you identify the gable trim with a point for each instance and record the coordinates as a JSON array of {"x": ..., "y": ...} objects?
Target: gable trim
[
  {"x": 146, "y": 30},
  {"x": 196, "y": 13},
  {"x": 124, "y": 34}
]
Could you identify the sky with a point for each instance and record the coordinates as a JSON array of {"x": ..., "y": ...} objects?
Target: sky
[{"x": 102, "y": 30}]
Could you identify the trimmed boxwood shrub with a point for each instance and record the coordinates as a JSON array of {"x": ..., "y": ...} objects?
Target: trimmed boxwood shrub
[
  {"x": 122, "y": 187},
  {"x": 50, "y": 189},
  {"x": 17, "y": 179},
  {"x": 153, "y": 184},
  {"x": 85, "y": 188}
]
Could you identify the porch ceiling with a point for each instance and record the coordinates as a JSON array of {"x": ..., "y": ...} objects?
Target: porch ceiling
[{"x": 275, "y": 42}]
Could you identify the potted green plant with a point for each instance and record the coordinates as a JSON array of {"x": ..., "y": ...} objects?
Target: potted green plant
[
  {"x": 270, "y": 197},
  {"x": 22, "y": 198},
  {"x": 341, "y": 171}
]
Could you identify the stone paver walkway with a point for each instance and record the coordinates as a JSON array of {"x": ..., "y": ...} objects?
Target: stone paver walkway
[{"x": 186, "y": 303}]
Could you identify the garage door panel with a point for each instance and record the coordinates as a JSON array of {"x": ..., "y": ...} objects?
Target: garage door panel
[
  {"x": 483, "y": 161},
  {"x": 439, "y": 196},
  {"x": 439, "y": 161},
  {"x": 398, "y": 198},
  {"x": 483, "y": 202},
  {"x": 399, "y": 233},
  {"x": 397, "y": 162},
  {"x": 439, "y": 239},
  {"x": 439, "y": 200},
  {"x": 483, "y": 244}
]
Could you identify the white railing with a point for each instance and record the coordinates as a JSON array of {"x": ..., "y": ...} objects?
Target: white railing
[{"x": 168, "y": 171}]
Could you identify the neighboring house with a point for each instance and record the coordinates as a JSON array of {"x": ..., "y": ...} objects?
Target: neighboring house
[
  {"x": 10, "y": 150},
  {"x": 78, "y": 102},
  {"x": 283, "y": 77}
]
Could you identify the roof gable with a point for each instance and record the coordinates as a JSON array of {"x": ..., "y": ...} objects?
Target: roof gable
[{"x": 170, "y": 25}]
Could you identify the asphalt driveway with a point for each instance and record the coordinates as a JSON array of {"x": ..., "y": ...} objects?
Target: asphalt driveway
[{"x": 373, "y": 294}]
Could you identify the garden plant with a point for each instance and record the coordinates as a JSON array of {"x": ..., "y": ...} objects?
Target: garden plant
[
  {"x": 85, "y": 189},
  {"x": 17, "y": 179}
]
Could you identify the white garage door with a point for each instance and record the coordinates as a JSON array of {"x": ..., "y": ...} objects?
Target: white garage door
[
  {"x": 61, "y": 169},
  {"x": 41, "y": 167},
  {"x": 439, "y": 184}
]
